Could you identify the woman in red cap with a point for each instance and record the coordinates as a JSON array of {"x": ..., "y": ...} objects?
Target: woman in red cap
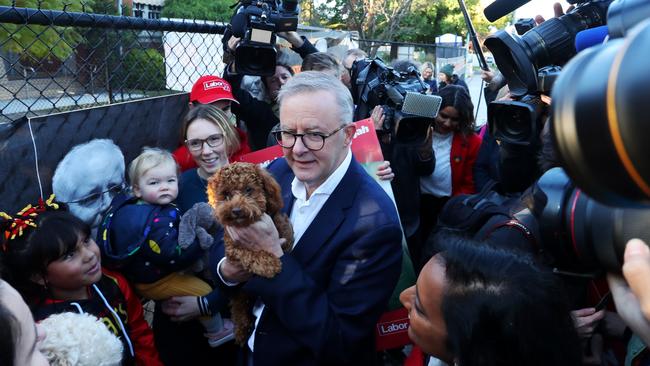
[{"x": 217, "y": 92}]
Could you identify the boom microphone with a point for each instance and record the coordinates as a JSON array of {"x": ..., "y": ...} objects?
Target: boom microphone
[{"x": 500, "y": 8}]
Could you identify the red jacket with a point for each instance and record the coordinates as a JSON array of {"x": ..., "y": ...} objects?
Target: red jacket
[{"x": 464, "y": 150}]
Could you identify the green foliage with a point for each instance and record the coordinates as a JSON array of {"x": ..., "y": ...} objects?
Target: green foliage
[
  {"x": 430, "y": 19},
  {"x": 142, "y": 69},
  {"x": 421, "y": 22},
  {"x": 215, "y": 10},
  {"x": 41, "y": 42}
]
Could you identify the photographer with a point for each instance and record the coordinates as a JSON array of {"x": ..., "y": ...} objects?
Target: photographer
[
  {"x": 260, "y": 116},
  {"x": 409, "y": 161}
]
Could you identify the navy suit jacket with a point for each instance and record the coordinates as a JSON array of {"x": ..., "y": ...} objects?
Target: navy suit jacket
[{"x": 321, "y": 309}]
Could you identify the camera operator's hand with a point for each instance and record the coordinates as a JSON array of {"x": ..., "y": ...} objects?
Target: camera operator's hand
[
  {"x": 636, "y": 270},
  {"x": 229, "y": 56},
  {"x": 557, "y": 10},
  {"x": 487, "y": 76},
  {"x": 425, "y": 150},
  {"x": 292, "y": 37},
  {"x": 378, "y": 117},
  {"x": 628, "y": 307},
  {"x": 232, "y": 43},
  {"x": 585, "y": 321}
]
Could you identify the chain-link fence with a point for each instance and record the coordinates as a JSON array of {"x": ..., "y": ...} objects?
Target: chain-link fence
[
  {"x": 60, "y": 60},
  {"x": 438, "y": 55}
]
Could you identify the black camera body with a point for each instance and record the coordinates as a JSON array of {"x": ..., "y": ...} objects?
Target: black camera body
[
  {"x": 600, "y": 106},
  {"x": 256, "y": 23},
  {"x": 530, "y": 65},
  {"x": 408, "y": 110},
  {"x": 550, "y": 43}
]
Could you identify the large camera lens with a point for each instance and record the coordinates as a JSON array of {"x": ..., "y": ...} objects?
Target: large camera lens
[
  {"x": 513, "y": 122},
  {"x": 551, "y": 43},
  {"x": 252, "y": 59},
  {"x": 601, "y": 106},
  {"x": 581, "y": 234}
]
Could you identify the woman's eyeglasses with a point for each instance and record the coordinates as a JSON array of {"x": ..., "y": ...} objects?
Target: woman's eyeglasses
[{"x": 197, "y": 144}]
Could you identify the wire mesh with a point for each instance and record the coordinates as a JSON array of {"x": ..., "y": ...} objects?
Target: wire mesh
[{"x": 60, "y": 60}]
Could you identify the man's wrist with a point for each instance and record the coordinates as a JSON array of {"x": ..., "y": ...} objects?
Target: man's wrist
[{"x": 224, "y": 277}]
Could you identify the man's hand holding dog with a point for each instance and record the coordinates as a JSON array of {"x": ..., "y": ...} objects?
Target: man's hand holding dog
[
  {"x": 262, "y": 235},
  {"x": 233, "y": 272}
]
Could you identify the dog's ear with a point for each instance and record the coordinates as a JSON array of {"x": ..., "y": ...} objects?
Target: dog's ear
[
  {"x": 213, "y": 188},
  {"x": 272, "y": 190}
]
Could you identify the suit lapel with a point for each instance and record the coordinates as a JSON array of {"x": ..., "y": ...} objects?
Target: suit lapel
[{"x": 330, "y": 217}]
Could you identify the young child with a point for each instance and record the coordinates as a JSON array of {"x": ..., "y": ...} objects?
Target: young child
[
  {"x": 56, "y": 266},
  {"x": 139, "y": 235}
]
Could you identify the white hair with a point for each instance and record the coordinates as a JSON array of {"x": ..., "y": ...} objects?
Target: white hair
[
  {"x": 316, "y": 81},
  {"x": 80, "y": 340},
  {"x": 61, "y": 185}
]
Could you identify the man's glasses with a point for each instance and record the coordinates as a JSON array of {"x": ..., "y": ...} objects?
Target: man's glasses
[
  {"x": 197, "y": 144},
  {"x": 313, "y": 141},
  {"x": 89, "y": 199}
]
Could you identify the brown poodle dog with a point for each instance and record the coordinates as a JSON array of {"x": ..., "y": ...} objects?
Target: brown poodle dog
[{"x": 240, "y": 193}]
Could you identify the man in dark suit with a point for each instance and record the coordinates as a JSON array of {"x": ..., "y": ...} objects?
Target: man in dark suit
[{"x": 322, "y": 307}]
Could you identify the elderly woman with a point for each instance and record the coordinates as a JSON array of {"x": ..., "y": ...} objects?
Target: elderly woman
[
  {"x": 211, "y": 140},
  {"x": 477, "y": 305}
]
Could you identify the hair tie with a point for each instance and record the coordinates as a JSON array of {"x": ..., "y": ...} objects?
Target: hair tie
[{"x": 25, "y": 219}]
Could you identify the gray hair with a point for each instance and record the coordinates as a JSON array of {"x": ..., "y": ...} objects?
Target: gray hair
[
  {"x": 61, "y": 185},
  {"x": 316, "y": 81},
  {"x": 322, "y": 61}
]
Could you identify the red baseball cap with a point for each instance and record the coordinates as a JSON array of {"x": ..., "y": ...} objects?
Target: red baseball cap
[{"x": 209, "y": 89}]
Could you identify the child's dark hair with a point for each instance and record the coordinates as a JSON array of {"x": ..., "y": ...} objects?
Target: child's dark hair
[{"x": 28, "y": 255}]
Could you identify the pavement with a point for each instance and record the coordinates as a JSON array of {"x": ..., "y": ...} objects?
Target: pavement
[{"x": 476, "y": 92}]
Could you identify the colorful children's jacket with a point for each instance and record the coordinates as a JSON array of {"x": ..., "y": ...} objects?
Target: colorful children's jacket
[{"x": 141, "y": 240}]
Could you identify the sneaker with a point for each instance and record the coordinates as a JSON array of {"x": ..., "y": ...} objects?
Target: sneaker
[{"x": 226, "y": 334}]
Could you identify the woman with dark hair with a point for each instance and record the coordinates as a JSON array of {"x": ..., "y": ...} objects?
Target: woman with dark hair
[
  {"x": 455, "y": 147},
  {"x": 55, "y": 264},
  {"x": 478, "y": 305}
]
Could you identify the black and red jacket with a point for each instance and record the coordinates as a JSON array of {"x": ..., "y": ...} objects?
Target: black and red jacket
[{"x": 130, "y": 327}]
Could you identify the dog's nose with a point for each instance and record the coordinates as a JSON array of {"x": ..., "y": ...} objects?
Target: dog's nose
[{"x": 236, "y": 211}]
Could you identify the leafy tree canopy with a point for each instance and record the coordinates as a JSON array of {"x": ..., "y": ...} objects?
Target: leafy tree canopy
[
  {"x": 215, "y": 10},
  {"x": 41, "y": 42}
]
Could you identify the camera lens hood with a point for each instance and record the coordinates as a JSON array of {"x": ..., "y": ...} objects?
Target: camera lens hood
[
  {"x": 601, "y": 106},
  {"x": 513, "y": 62}
]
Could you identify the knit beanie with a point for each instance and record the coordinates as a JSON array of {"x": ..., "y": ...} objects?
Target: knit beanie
[{"x": 448, "y": 70}]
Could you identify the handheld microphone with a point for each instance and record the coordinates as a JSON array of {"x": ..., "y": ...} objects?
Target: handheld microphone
[
  {"x": 500, "y": 8},
  {"x": 591, "y": 37}
]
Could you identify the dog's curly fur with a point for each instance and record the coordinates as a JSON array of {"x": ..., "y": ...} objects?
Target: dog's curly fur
[{"x": 240, "y": 193}]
